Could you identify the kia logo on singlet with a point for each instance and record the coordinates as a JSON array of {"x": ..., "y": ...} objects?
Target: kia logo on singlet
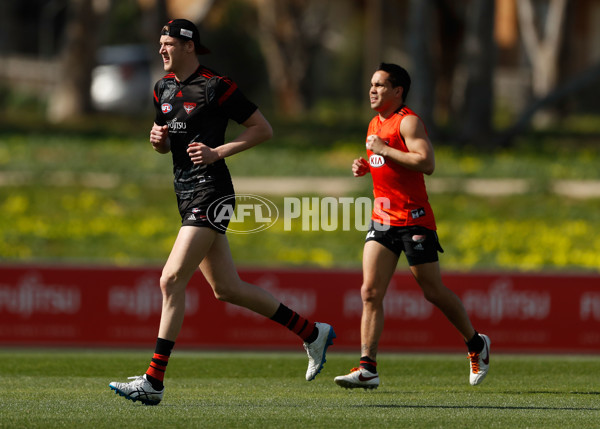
[
  {"x": 376, "y": 161},
  {"x": 166, "y": 107}
]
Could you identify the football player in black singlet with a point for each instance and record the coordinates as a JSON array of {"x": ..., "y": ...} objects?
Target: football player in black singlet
[{"x": 193, "y": 106}]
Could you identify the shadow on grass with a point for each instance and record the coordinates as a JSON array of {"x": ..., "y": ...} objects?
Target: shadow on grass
[
  {"x": 537, "y": 392},
  {"x": 481, "y": 407},
  {"x": 497, "y": 407}
]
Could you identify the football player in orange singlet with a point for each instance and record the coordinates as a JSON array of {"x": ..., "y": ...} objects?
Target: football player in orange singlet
[{"x": 399, "y": 152}]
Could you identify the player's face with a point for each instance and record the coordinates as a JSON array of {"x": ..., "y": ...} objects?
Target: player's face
[
  {"x": 172, "y": 51},
  {"x": 383, "y": 97}
]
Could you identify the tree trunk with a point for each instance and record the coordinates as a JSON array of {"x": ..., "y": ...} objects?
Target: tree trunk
[
  {"x": 479, "y": 64},
  {"x": 422, "y": 93},
  {"x": 450, "y": 36},
  {"x": 543, "y": 48},
  {"x": 290, "y": 33},
  {"x": 579, "y": 83},
  {"x": 154, "y": 16},
  {"x": 71, "y": 97},
  {"x": 373, "y": 37}
]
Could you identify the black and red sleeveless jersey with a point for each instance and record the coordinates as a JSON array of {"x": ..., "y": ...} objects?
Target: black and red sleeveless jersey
[{"x": 197, "y": 110}]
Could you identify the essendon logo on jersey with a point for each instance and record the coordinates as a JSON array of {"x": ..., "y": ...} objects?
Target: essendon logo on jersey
[
  {"x": 166, "y": 107},
  {"x": 376, "y": 161},
  {"x": 189, "y": 107}
]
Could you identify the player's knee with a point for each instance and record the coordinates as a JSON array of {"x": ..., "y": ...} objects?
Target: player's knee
[
  {"x": 435, "y": 294},
  {"x": 170, "y": 283},
  {"x": 222, "y": 296},
  {"x": 431, "y": 296},
  {"x": 223, "y": 293},
  {"x": 228, "y": 288},
  {"x": 371, "y": 295}
]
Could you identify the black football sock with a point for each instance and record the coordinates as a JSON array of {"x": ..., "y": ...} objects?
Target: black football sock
[
  {"x": 297, "y": 324},
  {"x": 475, "y": 344},
  {"x": 368, "y": 364},
  {"x": 158, "y": 365}
]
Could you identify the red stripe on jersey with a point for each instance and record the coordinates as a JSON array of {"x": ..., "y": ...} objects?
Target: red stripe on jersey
[
  {"x": 231, "y": 90},
  {"x": 404, "y": 111},
  {"x": 206, "y": 73}
]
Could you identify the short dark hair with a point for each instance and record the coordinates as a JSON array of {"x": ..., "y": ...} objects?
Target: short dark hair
[{"x": 398, "y": 77}]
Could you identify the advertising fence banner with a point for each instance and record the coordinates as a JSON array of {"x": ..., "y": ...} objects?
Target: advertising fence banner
[{"x": 100, "y": 307}]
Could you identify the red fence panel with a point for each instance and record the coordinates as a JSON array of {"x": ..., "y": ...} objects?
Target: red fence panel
[{"x": 88, "y": 306}]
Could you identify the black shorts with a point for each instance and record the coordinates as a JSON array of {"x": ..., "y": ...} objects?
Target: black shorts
[
  {"x": 421, "y": 245},
  {"x": 209, "y": 207}
]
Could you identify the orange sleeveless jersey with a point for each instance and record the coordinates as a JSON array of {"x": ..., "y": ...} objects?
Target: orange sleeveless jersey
[{"x": 400, "y": 195}]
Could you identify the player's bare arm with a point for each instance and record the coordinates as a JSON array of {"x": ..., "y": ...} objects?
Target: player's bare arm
[
  {"x": 420, "y": 155},
  {"x": 360, "y": 167},
  {"x": 257, "y": 130},
  {"x": 159, "y": 137}
]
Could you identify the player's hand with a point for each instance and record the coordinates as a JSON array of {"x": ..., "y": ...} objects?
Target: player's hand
[
  {"x": 201, "y": 154},
  {"x": 360, "y": 167},
  {"x": 376, "y": 145},
  {"x": 159, "y": 138}
]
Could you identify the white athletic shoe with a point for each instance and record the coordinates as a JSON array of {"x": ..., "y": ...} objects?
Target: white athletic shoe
[
  {"x": 358, "y": 377},
  {"x": 317, "y": 349},
  {"x": 480, "y": 362},
  {"x": 139, "y": 389}
]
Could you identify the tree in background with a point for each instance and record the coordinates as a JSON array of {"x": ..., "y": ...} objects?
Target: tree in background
[
  {"x": 542, "y": 39},
  {"x": 71, "y": 97},
  {"x": 314, "y": 49},
  {"x": 422, "y": 15},
  {"x": 290, "y": 34},
  {"x": 451, "y": 48},
  {"x": 478, "y": 63},
  {"x": 447, "y": 54},
  {"x": 373, "y": 36}
]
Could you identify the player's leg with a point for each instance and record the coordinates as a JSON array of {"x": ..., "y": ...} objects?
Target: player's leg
[
  {"x": 221, "y": 273},
  {"x": 219, "y": 269},
  {"x": 379, "y": 265},
  {"x": 190, "y": 247},
  {"x": 429, "y": 279}
]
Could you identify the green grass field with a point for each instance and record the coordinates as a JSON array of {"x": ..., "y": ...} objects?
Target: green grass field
[{"x": 67, "y": 388}]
